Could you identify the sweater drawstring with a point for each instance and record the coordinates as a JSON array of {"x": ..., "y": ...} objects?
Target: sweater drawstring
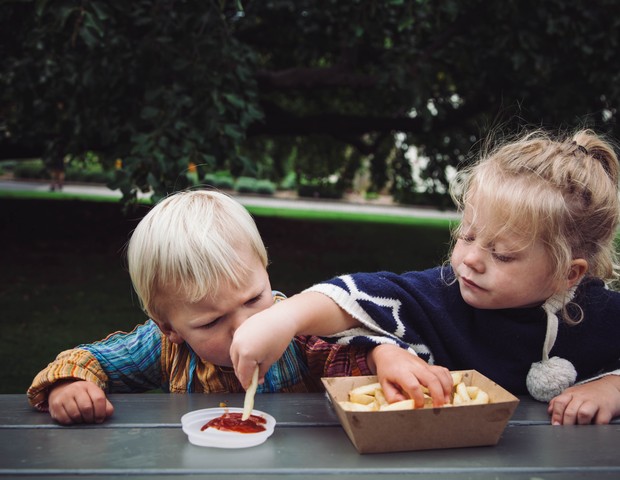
[{"x": 551, "y": 376}]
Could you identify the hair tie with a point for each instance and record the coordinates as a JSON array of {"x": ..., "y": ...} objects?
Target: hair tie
[
  {"x": 581, "y": 148},
  {"x": 551, "y": 376}
]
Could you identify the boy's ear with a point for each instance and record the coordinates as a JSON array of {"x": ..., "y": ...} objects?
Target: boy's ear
[
  {"x": 170, "y": 332},
  {"x": 578, "y": 269}
]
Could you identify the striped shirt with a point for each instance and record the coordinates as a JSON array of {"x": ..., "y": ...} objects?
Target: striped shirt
[{"x": 144, "y": 359}]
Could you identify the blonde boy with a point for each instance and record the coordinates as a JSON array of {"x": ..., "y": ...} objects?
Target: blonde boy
[{"x": 199, "y": 267}]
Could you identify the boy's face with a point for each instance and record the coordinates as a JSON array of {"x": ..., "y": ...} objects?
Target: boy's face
[{"x": 208, "y": 325}]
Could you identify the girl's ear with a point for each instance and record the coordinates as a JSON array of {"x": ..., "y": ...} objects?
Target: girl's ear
[
  {"x": 578, "y": 269},
  {"x": 170, "y": 332}
]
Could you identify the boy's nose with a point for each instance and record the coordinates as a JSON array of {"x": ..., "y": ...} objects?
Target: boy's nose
[{"x": 238, "y": 318}]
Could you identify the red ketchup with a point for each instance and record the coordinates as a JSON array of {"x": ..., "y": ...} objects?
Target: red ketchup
[{"x": 231, "y": 422}]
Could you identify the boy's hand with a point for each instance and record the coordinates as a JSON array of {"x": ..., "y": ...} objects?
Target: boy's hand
[
  {"x": 260, "y": 340},
  {"x": 403, "y": 374},
  {"x": 78, "y": 401},
  {"x": 596, "y": 402}
]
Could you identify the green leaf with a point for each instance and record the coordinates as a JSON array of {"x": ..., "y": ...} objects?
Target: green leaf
[
  {"x": 101, "y": 10},
  {"x": 234, "y": 100},
  {"x": 148, "y": 113},
  {"x": 233, "y": 131}
]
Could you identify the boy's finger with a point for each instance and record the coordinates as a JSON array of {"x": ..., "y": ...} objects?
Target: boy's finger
[{"x": 244, "y": 372}]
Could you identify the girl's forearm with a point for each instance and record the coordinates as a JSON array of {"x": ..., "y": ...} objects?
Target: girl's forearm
[{"x": 315, "y": 314}]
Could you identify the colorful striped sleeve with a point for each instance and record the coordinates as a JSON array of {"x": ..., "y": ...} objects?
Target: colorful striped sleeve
[
  {"x": 132, "y": 361},
  {"x": 326, "y": 359},
  {"x": 74, "y": 364}
]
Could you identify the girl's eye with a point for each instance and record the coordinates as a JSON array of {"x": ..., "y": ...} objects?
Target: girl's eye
[
  {"x": 502, "y": 258},
  {"x": 467, "y": 238}
]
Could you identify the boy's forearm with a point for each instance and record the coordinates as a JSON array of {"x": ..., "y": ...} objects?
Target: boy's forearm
[
  {"x": 263, "y": 337},
  {"x": 74, "y": 364}
]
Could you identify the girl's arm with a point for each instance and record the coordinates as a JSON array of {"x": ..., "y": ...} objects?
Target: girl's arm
[{"x": 596, "y": 402}]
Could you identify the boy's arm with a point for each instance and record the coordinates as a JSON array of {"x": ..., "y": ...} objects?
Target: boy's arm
[
  {"x": 132, "y": 361},
  {"x": 75, "y": 364},
  {"x": 122, "y": 362},
  {"x": 78, "y": 401},
  {"x": 262, "y": 338}
]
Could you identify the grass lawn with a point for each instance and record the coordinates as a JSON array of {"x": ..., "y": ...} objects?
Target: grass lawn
[{"x": 64, "y": 281}]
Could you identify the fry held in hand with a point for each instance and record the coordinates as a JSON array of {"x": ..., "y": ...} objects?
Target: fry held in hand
[
  {"x": 370, "y": 398},
  {"x": 248, "y": 403}
]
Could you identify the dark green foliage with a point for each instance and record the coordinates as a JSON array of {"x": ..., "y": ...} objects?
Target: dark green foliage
[
  {"x": 159, "y": 84},
  {"x": 318, "y": 88}
]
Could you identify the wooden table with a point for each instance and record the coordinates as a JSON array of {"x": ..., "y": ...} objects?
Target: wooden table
[{"x": 144, "y": 440}]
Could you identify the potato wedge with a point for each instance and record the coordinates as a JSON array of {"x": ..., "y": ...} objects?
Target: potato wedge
[{"x": 368, "y": 398}]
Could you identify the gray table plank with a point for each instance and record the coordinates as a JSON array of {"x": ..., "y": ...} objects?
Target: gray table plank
[
  {"x": 563, "y": 475},
  {"x": 300, "y": 451},
  {"x": 166, "y": 409}
]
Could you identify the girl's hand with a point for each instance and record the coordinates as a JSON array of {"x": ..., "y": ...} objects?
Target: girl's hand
[
  {"x": 78, "y": 401},
  {"x": 596, "y": 402},
  {"x": 402, "y": 375}
]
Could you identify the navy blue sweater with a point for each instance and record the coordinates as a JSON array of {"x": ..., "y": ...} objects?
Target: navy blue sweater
[{"x": 421, "y": 311}]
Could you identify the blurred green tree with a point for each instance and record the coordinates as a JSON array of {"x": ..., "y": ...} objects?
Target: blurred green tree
[{"x": 319, "y": 87}]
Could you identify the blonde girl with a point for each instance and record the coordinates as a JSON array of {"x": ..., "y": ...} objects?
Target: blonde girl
[{"x": 524, "y": 298}]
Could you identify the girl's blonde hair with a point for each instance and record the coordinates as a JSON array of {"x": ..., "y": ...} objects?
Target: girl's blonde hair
[
  {"x": 563, "y": 191},
  {"x": 189, "y": 244}
]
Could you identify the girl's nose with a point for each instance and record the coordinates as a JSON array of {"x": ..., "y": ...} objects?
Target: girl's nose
[{"x": 474, "y": 258}]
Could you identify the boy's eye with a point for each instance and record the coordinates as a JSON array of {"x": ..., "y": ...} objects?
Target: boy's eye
[
  {"x": 211, "y": 324},
  {"x": 254, "y": 299}
]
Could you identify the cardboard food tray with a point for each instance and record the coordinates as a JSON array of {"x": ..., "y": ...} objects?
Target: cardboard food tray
[{"x": 424, "y": 428}]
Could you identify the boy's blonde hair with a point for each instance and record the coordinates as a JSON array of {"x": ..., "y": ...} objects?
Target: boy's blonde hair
[
  {"x": 563, "y": 191},
  {"x": 189, "y": 245}
]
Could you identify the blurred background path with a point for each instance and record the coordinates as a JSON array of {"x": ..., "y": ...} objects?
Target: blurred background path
[{"x": 284, "y": 202}]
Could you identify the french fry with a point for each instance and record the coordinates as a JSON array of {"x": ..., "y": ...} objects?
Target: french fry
[
  {"x": 461, "y": 389},
  {"x": 370, "y": 398},
  {"x": 402, "y": 405},
  {"x": 366, "y": 389},
  {"x": 380, "y": 398},
  {"x": 362, "y": 398},
  {"x": 481, "y": 397},
  {"x": 457, "y": 399},
  {"x": 248, "y": 403}
]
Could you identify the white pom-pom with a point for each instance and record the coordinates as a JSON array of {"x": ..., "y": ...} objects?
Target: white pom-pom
[{"x": 549, "y": 378}]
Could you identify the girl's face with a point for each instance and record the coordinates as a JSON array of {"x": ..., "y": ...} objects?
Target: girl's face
[
  {"x": 209, "y": 324},
  {"x": 502, "y": 273}
]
